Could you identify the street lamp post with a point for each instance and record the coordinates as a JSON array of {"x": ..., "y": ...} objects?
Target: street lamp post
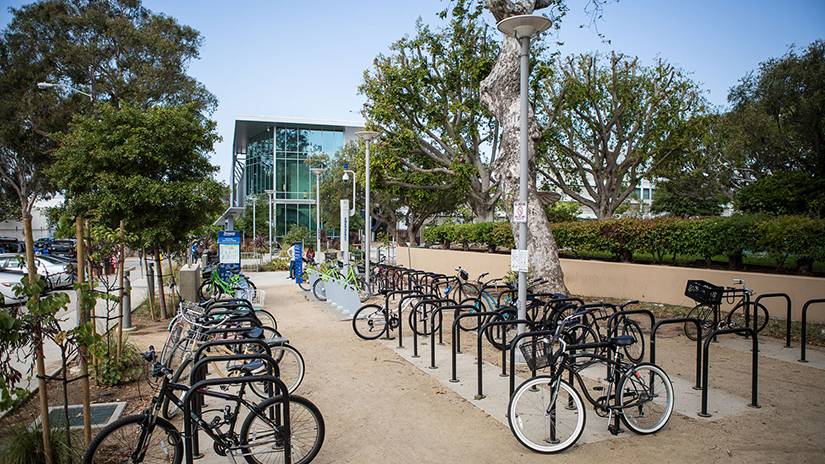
[
  {"x": 345, "y": 178},
  {"x": 367, "y": 136},
  {"x": 522, "y": 27},
  {"x": 317, "y": 172},
  {"x": 271, "y": 194},
  {"x": 254, "y": 200}
]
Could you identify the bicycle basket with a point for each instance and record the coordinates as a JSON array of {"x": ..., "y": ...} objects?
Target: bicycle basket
[
  {"x": 703, "y": 292},
  {"x": 537, "y": 353}
]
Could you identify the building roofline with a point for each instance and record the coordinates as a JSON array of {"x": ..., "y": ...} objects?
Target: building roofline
[{"x": 298, "y": 120}]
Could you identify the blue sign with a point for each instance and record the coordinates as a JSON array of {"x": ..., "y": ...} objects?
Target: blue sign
[
  {"x": 229, "y": 252},
  {"x": 299, "y": 263}
]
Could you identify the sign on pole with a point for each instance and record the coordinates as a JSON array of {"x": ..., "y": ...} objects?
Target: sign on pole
[
  {"x": 519, "y": 260},
  {"x": 520, "y": 211},
  {"x": 229, "y": 252},
  {"x": 345, "y": 231}
]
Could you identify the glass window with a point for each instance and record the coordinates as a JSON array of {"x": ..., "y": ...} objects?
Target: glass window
[{"x": 646, "y": 193}]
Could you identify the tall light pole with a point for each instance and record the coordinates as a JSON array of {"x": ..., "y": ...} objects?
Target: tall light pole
[
  {"x": 271, "y": 194},
  {"x": 522, "y": 27},
  {"x": 317, "y": 172},
  {"x": 367, "y": 136}
]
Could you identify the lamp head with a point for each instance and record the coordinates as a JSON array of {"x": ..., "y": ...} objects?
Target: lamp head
[
  {"x": 345, "y": 177},
  {"x": 44, "y": 85},
  {"x": 520, "y": 26}
]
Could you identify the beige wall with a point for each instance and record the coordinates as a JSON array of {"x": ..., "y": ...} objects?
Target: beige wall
[{"x": 660, "y": 284}]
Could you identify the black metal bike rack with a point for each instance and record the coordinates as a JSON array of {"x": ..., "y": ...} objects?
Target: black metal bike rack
[
  {"x": 387, "y": 295},
  {"x": 482, "y": 330},
  {"x": 788, "y": 307},
  {"x": 408, "y": 294},
  {"x": 680, "y": 320},
  {"x": 457, "y": 317},
  {"x": 514, "y": 344},
  {"x": 754, "y": 365},
  {"x": 803, "y": 338},
  {"x": 426, "y": 302}
]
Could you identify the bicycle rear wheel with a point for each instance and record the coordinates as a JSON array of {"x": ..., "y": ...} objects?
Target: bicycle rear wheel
[
  {"x": 544, "y": 422},
  {"x": 290, "y": 370},
  {"x": 319, "y": 290},
  {"x": 370, "y": 322},
  {"x": 262, "y": 438},
  {"x": 116, "y": 443},
  {"x": 421, "y": 321},
  {"x": 636, "y": 351},
  {"x": 645, "y": 395},
  {"x": 757, "y": 316}
]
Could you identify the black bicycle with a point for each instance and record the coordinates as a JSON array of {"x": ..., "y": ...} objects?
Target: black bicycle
[
  {"x": 547, "y": 414},
  {"x": 283, "y": 428},
  {"x": 744, "y": 314}
]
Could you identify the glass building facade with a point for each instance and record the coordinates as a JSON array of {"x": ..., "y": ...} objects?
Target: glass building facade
[{"x": 293, "y": 142}]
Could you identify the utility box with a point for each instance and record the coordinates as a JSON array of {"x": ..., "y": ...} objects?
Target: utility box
[{"x": 190, "y": 282}]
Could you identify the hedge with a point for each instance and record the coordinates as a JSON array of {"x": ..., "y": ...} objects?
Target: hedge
[{"x": 778, "y": 237}]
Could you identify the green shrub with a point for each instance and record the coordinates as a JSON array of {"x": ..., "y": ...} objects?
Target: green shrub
[
  {"x": 108, "y": 369},
  {"x": 562, "y": 211},
  {"x": 297, "y": 233},
  {"x": 502, "y": 235},
  {"x": 21, "y": 445},
  {"x": 277, "y": 264}
]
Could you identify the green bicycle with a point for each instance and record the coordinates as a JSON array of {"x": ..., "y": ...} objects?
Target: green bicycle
[
  {"x": 334, "y": 273},
  {"x": 236, "y": 285}
]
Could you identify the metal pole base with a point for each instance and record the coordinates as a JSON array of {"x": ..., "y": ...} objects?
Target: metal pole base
[
  {"x": 453, "y": 380},
  {"x": 432, "y": 367},
  {"x": 479, "y": 397},
  {"x": 703, "y": 414},
  {"x": 697, "y": 388},
  {"x": 755, "y": 406},
  {"x": 803, "y": 360}
]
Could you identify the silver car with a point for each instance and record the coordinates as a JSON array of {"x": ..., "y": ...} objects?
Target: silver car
[{"x": 58, "y": 273}]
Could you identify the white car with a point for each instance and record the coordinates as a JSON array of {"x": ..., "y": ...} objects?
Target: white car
[
  {"x": 8, "y": 280},
  {"x": 57, "y": 273}
]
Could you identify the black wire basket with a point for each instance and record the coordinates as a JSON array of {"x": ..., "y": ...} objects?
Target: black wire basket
[
  {"x": 704, "y": 292},
  {"x": 538, "y": 353}
]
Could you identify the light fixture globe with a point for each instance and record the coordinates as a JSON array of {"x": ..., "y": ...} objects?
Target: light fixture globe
[
  {"x": 44, "y": 85},
  {"x": 345, "y": 177},
  {"x": 367, "y": 135},
  {"x": 524, "y": 25}
]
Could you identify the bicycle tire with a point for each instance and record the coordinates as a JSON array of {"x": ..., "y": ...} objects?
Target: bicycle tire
[
  {"x": 168, "y": 409},
  {"x": 704, "y": 314},
  {"x": 636, "y": 351},
  {"x": 736, "y": 317},
  {"x": 370, "y": 315},
  {"x": 96, "y": 454},
  {"x": 292, "y": 382},
  {"x": 518, "y": 421},
  {"x": 304, "y": 284},
  {"x": 301, "y": 411},
  {"x": 319, "y": 290},
  {"x": 635, "y": 375},
  {"x": 424, "y": 316},
  {"x": 494, "y": 333},
  {"x": 208, "y": 290},
  {"x": 266, "y": 319}
]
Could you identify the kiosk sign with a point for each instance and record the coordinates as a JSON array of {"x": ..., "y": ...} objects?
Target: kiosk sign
[{"x": 229, "y": 252}]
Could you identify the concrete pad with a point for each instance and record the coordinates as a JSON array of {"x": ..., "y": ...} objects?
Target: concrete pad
[{"x": 774, "y": 348}]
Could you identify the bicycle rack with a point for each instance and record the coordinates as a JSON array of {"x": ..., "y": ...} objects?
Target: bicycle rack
[
  {"x": 387, "y": 295},
  {"x": 787, "y": 313},
  {"x": 198, "y": 371},
  {"x": 432, "y": 301},
  {"x": 456, "y": 328},
  {"x": 440, "y": 310},
  {"x": 611, "y": 321},
  {"x": 409, "y": 294},
  {"x": 481, "y": 331},
  {"x": 513, "y": 345},
  {"x": 680, "y": 320},
  {"x": 754, "y": 365},
  {"x": 803, "y": 342}
]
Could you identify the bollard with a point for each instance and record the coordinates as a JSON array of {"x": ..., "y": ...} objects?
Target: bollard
[
  {"x": 127, "y": 303},
  {"x": 150, "y": 282}
]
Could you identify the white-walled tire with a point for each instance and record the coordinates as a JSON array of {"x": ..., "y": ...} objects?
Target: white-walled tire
[{"x": 530, "y": 422}]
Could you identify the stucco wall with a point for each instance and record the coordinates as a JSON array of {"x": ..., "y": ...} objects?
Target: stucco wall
[{"x": 660, "y": 284}]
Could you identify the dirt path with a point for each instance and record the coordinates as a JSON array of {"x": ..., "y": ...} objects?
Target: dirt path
[{"x": 378, "y": 408}]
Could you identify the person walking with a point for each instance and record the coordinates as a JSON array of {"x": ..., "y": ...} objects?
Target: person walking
[{"x": 291, "y": 253}]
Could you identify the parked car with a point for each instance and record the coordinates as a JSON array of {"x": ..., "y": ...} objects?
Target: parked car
[
  {"x": 62, "y": 248},
  {"x": 10, "y": 245},
  {"x": 41, "y": 245},
  {"x": 8, "y": 280},
  {"x": 58, "y": 274}
]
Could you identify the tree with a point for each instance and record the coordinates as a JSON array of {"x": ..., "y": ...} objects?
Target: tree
[
  {"x": 783, "y": 193},
  {"x": 147, "y": 167},
  {"x": 696, "y": 193},
  {"x": 614, "y": 124},
  {"x": 500, "y": 95},
  {"x": 777, "y": 120},
  {"x": 425, "y": 96}
]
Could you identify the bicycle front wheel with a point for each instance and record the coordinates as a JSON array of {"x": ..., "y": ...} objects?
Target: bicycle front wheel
[
  {"x": 646, "y": 398},
  {"x": 290, "y": 369},
  {"x": 263, "y": 437},
  {"x": 369, "y": 322},
  {"x": 116, "y": 444},
  {"x": 319, "y": 290},
  {"x": 544, "y": 422},
  {"x": 636, "y": 351},
  {"x": 704, "y": 314}
]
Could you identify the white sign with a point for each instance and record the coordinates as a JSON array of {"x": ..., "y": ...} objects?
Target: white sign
[
  {"x": 519, "y": 211},
  {"x": 345, "y": 231},
  {"x": 519, "y": 260},
  {"x": 229, "y": 253}
]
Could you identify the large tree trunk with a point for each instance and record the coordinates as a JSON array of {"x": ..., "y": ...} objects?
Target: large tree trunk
[
  {"x": 40, "y": 364},
  {"x": 83, "y": 318},
  {"x": 161, "y": 296},
  {"x": 500, "y": 94}
]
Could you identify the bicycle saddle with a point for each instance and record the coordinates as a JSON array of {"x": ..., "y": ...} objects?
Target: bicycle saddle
[
  {"x": 254, "y": 332},
  {"x": 248, "y": 367},
  {"x": 622, "y": 340}
]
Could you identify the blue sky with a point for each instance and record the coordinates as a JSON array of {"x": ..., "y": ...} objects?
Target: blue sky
[{"x": 306, "y": 58}]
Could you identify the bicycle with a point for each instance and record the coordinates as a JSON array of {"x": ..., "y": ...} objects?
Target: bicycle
[
  {"x": 215, "y": 286},
  {"x": 546, "y": 413},
  {"x": 352, "y": 278},
  {"x": 745, "y": 313},
  {"x": 266, "y": 431}
]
